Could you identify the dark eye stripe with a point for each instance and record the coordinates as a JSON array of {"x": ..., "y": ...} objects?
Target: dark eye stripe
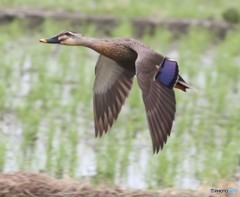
[{"x": 68, "y": 34}]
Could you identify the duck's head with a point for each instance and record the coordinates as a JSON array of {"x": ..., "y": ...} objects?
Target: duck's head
[{"x": 65, "y": 38}]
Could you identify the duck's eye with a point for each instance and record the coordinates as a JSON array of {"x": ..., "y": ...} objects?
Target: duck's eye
[{"x": 68, "y": 34}]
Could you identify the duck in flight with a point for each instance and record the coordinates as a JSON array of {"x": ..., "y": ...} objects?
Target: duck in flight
[{"x": 119, "y": 61}]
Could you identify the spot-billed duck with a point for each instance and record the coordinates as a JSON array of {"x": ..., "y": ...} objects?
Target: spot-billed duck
[{"x": 119, "y": 61}]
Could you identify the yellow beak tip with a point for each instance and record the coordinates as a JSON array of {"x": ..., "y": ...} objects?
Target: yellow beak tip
[{"x": 43, "y": 40}]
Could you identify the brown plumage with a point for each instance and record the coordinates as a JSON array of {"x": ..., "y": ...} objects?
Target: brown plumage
[{"x": 119, "y": 61}]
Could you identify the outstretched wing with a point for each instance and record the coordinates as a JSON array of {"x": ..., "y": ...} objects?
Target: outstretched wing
[
  {"x": 111, "y": 87},
  {"x": 159, "y": 100}
]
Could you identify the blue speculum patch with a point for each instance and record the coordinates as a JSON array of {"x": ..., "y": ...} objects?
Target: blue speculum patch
[{"x": 168, "y": 73}]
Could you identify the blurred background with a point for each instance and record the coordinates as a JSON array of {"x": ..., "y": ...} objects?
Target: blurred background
[{"x": 46, "y": 116}]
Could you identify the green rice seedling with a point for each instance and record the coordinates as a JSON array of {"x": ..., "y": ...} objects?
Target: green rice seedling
[
  {"x": 2, "y": 95},
  {"x": 161, "y": 41},
  {"x": 31, "y": 121},
  {"x": 159, "y": 170},
  {"x": 3, "y": 151},
  {"x": 123, "y": 30},
  {"x": 191, "y": 48},
  {"x": 50, "y": 148},
  {"x": 73, "y": 140},
  {"x": 107, "y": 158},
  {"x": 61, "y": 158}
]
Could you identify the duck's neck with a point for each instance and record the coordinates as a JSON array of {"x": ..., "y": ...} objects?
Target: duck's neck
[
  {"x": 85, "y": 41},
  {"x": 109, "y": 48},
  {"x": 95, "y": 44}
]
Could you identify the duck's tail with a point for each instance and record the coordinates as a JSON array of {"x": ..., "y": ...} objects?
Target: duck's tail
[{"x": 183, "y": 85}]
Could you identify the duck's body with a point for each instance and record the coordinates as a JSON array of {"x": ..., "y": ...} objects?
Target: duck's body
[{"x": 119, "y": 61}]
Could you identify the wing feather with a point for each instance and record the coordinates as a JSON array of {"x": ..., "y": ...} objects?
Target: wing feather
[
  {"x": 111, "y": 88},
  {"x": 159, "y": 100}
]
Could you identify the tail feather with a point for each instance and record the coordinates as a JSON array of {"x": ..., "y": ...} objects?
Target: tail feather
[{"x": 183, "y": 85}]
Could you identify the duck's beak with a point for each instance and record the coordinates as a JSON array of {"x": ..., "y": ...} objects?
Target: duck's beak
[{"x": 53, "y": 40}]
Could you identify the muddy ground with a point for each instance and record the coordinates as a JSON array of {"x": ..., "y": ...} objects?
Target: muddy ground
[{"x": 25, "y": 184}]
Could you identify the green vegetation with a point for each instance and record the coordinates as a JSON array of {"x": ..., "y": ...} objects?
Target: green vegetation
[
  {"x": 123, "y": 8},
  {"x": 46, "y": 113},
  {"x": 231, "y": 15}
]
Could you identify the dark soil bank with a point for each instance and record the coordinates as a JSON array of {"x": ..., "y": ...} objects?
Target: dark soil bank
[{"x": 23, "y": 184}]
